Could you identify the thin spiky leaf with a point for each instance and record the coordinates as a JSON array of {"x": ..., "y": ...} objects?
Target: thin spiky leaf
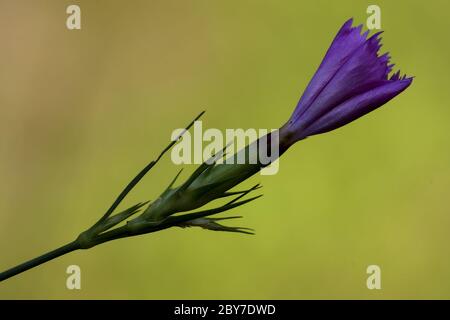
[
  {"x": 211, "y": 224},
  {"x": 233, "y": 193},
  {"x": 173, "y": 180},
  {"x": 226, "y": 218},
  {"x": 119, "y": 217},
  {"x": 142, "y": 173},
  {"x": 243, "y": 194},
  {"x": 174, "y": 220}
]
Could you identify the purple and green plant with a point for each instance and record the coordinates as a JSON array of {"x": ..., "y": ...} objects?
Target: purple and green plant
[{"x": 352, "y": 80}]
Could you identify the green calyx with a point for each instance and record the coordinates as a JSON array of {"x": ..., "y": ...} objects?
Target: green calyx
[{"x": 174, "y": 207}]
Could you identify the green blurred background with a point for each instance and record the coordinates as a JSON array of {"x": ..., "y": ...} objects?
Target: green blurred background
[{"x": 82, "y": 111}]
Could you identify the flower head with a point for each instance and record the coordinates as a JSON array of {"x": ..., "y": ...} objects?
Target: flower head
[{"x": 352, "y": 80}]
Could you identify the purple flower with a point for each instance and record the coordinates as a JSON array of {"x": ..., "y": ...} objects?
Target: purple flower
[{"x": 351, "y": 81}]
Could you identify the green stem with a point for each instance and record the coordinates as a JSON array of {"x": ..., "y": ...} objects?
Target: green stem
[
  {"x": 72, "y": 246},
  {"x": 114, "y": 234}
]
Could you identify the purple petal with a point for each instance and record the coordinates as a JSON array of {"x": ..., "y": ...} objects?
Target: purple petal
[
  {"x": 358, "y": 106},
  {"x": 359, "y": 73},
  {"x": 347, "y": 40},
  {"x": 348, "y": 84}
]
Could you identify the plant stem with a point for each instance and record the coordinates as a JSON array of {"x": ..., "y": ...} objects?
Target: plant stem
[{"x": 72, "y": 246}]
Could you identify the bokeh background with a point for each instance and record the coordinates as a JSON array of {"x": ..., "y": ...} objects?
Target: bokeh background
[{"x": 82, "y": 111}]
